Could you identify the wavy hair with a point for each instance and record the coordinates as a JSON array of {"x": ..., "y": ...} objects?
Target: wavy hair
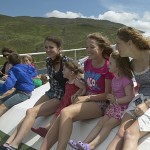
[
  {"x": 103, "y": 43},
  {"x": 128, "y": 33}
]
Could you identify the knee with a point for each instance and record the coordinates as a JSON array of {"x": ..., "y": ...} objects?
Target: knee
[
  {"x": 121, "y": 133},
  {"x": 129, "y": 134},
  {"x": 65, "y": 113},
  {"x": 31, "y": 112}
]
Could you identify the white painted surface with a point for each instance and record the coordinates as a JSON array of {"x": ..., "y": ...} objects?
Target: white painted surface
[{"x": 11, "y": 119}]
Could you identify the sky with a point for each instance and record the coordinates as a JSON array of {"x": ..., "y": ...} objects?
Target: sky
[{"x": 134, "y": 13}]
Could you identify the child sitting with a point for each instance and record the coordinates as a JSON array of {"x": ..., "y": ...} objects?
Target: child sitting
[{"x": 74, "y": 88}]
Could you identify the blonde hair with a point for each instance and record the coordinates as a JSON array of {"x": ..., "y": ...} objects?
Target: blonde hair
[
  {"x": 123, "y": 63},
  {"x": 102, "y": 42},
  {"x": 29, "y": 57},
  {"x": 127, "y": 33}
]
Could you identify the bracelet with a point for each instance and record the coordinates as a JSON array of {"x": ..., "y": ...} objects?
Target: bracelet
[
  {"x": 116, "y": 101},
  {"x": 147, "y": 105},
  {"x": 88, "y": 98}
]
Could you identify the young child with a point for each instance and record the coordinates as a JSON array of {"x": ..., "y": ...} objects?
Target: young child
[
  {"x": 38, "y": 80},
  {"x": 122, "y": 94},
  {"x": 74, "y": 87},
  {"x": 28, "y": 59}
]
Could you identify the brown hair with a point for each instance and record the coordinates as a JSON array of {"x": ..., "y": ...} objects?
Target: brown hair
[
  {"x": 73, "y": 66},
  {"x": 123, "y": 63},
  {"x": 55, "y": 40},
  {"x": 58, "y": 42},
  {"x": 103, "y": 43},
  {"x": 5, "y": 49},
  {"x": 14, "y": 59},
  {"x": 127, "y": 33}
]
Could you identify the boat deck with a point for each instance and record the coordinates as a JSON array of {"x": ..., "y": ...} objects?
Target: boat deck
[{"x": 12, "y": 117}]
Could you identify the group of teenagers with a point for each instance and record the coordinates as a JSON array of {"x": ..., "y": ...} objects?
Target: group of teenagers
[{"x": 105, "y": 91}]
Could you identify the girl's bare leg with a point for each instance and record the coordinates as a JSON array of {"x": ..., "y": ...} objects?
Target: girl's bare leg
[
  {"x": 73, "y": 113},
  {"x": 46, "y": 107},
  {"x": 52, "y": 136},
  {"x": 95, "y": 131},
  {"x": 3, "y": 109},
  {"x": 48, "y": 126},
  {"x": 132, "y": 136},
  {"x": 12, "y": 137},
  {"x": 117, "y": 142},
  {"x": 106, "y": 128}
]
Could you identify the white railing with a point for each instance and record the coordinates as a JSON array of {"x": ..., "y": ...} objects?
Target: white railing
[
  {"x": 41, "y": 53},
  {"x": 70, "y": 50},
  {"x": 37, "y": 63}
]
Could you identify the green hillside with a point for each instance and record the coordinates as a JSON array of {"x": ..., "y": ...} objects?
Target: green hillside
[{"x": 26, "y": 34}]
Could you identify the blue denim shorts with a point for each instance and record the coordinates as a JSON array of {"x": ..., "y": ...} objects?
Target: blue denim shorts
[{"x": 15, "y": 98}]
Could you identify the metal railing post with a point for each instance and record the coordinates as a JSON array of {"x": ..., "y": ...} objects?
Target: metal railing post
[{"x": 75, "y": 55}]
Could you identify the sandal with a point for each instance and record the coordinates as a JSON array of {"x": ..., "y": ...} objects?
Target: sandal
[
  {"x": 7, "y": 148},
  {"x": 40, "y": 131},
  {"x": 83, "y": 146},
  {"x": 73, "y": 144}
]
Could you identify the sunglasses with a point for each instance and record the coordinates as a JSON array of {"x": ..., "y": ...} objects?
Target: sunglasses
[{"x": 5, "y": 55}]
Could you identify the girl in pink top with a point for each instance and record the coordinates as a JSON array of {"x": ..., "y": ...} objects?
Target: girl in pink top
[{"x": 122, "y": 94}]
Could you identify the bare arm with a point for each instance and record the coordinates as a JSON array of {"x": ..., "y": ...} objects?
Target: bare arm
[
  {"x": 7, "y": 93},
  {"x": 97, "y": 97},
  {"x": 81, "y": 91},
  {"x": 142, "y": 108},
  {"x": 126, "y": 99}
]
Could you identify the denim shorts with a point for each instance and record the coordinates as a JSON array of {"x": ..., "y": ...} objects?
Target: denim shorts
[{"x": 15, "y": 98}]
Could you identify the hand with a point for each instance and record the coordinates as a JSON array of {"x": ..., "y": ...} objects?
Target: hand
[
  {"x": 73, "y": 97},
  {"x": 5, "y": 77},
  {"x": 111, "y": 98},
  {"x": 1, "y": 72},
  {"x": 140, "y": 109},
  {"x": 81, "y": 99}
]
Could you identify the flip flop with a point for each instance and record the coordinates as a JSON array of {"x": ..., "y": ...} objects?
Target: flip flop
[
  {"x": 73, "y": 144},
  {"x": 83, "y": 146},
  {"x": 40, "y": 131}
]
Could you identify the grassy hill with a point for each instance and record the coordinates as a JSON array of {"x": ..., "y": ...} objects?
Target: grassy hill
[{"x": 26, "y": 34}]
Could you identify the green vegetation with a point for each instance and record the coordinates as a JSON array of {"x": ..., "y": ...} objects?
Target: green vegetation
[
  {"x": 26, "y": 34},
  {"x": 4, "y": 137}
]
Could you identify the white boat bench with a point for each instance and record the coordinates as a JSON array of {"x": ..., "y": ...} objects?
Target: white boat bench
[{"x": 81, "y": 129}]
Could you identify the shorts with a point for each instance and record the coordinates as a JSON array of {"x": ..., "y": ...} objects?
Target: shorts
[
  {"x": 116, "y": 111},
  {"x": 51, "y": 94},
  {"x": 103, "y": 106},
  {"x": 144, "y": 120},
  {"x": 15, "y": 98}
]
